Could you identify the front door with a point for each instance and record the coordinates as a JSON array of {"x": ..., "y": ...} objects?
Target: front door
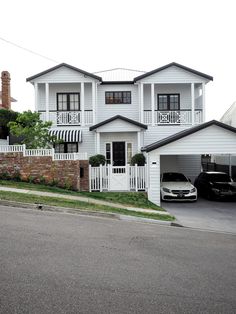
[{"x": 118, "y": 149}]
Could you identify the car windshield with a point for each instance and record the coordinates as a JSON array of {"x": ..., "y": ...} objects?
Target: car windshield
[
  {"x": 176, "y": 177},
  {"x": 219, "y": 177}
]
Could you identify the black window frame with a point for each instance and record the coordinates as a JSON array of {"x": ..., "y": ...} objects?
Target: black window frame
[
  {"x": 68, "y": 103},
  {"x": 65, "y": 149},
  {"x": 168, "y": 102},
  {"x": 113, "y": 100}
]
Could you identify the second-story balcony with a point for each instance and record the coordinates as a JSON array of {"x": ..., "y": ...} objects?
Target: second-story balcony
[
  {"x": 68, "y": 117},
  {"x": 176, "y": 117}
]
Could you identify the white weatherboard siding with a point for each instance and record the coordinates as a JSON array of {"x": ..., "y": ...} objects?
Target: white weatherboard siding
[
  {"x": 88, "y": 142},
  {"x": 154, "y": 179},
  {"x": 106, "y": 111},
  {"x": 211, "y": 140},
  {"x": 156, "y": 133},
  {"x": 173, "y": 75},
  {"x": 63, "y": 75}
]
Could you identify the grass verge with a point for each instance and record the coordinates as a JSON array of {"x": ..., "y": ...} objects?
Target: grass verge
[
  {"x": 53, "y": 201},
  {"x": 134, "y": 199}
]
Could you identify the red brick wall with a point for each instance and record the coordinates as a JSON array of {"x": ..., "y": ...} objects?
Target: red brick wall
[
  {"x": 6, "y": 93},
  {"x": 64, "y": 173}
]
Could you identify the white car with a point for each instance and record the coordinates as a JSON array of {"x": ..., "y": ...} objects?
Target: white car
[{"x": 176, "y": 187}]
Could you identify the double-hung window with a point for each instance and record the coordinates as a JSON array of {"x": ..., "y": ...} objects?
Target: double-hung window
[
  {"x": 118, "y": 97},
  {"x": 168, "y": 102},
  {"x": 68, "y": 101},
  {"x": 66, "y": 148}
]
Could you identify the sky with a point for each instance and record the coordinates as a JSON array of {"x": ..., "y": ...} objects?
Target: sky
[{"x": 95, "y": 35}]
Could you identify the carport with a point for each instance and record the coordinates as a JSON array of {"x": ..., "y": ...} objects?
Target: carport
[{"x": 212, "y": 137}]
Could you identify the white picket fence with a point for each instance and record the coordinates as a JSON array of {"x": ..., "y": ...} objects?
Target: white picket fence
[
  {"x": 123, "y": 178},
  {"x": 42, "y": 152}
]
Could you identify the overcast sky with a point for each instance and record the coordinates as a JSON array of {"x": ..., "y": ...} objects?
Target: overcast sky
[{"x": 102, "y": 34}]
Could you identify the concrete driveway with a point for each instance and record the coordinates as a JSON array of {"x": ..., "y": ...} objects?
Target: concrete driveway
[{"x": 204, "y": 214}]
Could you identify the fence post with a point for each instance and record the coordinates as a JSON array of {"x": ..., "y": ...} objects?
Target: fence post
[
  {"x": 90, "y": 178},
  {"x": 146, "y": 177},
  {"x": 53, "y": 152},
  {"x": 100, "y": 176},
  {"x": 128, "y": 176},
  {"x": 136, "y": 177},
  {"x": 24, "y": 148}
]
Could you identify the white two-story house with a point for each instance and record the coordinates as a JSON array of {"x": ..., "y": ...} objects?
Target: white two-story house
[
  {"x": 121, "y": 112},
  {"x": 116, "y": 112}
]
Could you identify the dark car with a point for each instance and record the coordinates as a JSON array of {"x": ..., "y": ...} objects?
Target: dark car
[{"x": 215, "y": 185}]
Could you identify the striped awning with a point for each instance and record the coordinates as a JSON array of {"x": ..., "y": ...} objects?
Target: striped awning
[{"x": 67, "y": 135}]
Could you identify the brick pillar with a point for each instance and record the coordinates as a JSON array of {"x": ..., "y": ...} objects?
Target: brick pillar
[{"x": 6, "y": 93}]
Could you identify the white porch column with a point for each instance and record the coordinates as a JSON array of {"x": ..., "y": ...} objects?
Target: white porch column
[
  {"x": 203, "y": 103},
  {"x": 82, "y": 102},
  {"x": 192, "y": 104},
  {"x": 141, "y": 102},
  {"x": 47, "y": 100},
  {"x": 153, "y": 104},
  {"x": 36, "y": 96},
  {"x": 94, "y": 101},
  {"x": 98, "y": 142},
  {"x": 139, "y": 141},
  {"x": 154, "y": 179}
]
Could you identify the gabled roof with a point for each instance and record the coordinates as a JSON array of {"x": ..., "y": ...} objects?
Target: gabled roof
[
  {"x": 63, "y": 65},
  {"x": 170, "y": 65},
  {"x": 187, "y": 132},
  {"x": 94, "y": 127}
]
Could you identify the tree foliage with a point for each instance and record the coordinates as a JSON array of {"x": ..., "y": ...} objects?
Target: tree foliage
[{"x": 33, "y": 131}]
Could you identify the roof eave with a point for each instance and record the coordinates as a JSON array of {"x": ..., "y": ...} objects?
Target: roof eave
[{"x": 65, "y": 65}]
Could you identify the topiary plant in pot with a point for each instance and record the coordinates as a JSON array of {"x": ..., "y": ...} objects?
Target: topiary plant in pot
[
  {"x": 138, "y": 159},
  {"x": 97, "y": 160}
]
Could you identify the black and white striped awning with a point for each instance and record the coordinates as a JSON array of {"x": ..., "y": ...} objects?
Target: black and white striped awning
[{"x": 67, "y": 135}]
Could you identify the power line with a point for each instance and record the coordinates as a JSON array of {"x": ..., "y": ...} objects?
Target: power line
[{"x": 28, "y": 50}]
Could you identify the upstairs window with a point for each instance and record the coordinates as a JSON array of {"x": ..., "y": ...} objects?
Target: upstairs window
[
  {"x": 168, "y": 102},
  {"x": 68, "y": 101},
  {"x": 118, "y": 97}
]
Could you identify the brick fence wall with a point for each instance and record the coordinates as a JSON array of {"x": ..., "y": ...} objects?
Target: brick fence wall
[{"x": 64, "y": 173}]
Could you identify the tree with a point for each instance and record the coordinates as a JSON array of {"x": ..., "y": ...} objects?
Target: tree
[
  {"x": 33, "y": 131},
  {"x": 5, "y": 117}
]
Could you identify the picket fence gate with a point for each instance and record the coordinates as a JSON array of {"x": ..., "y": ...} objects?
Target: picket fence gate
[{"x": 118, "y": 178}]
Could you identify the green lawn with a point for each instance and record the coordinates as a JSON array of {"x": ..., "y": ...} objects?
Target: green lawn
[
  {"x": 54, "y": 201},
  {"x": 133, "y": 199}
]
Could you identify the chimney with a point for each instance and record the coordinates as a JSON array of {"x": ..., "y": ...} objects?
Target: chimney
[{"x": 6, "y": 93}]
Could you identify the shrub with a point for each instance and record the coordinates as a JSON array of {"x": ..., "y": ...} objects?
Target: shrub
[
  {"x": 138, "y": 159},
  {"x": 97, "y": 160}
]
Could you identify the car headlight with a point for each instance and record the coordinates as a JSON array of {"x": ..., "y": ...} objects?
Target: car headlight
[
  {"x": 166, "y": 190},
  {"x": 193, "y": 190}
]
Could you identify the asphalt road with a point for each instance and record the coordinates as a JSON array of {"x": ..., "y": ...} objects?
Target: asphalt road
[{"x": 62, "y": 263}]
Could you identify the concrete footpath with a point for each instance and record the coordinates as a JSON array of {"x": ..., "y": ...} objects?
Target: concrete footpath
[{"x": 82, "y": 199}]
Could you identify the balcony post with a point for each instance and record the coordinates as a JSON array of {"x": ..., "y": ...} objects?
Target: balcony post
[
  {"x": 203, "y": 103},
  {"x": 82, "y": 102},
  {"x": 141, "y": 101},
  {"x": 192, "y": 104},
  {"x": 98, "y": 142},
  {"x": 36, "y": 96},
  {"x": 153, "y": 104},
  {"x": 139, "y": 141},
  {"x": 93, "y": 100},
  {"x": 47, "y": 100}
]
